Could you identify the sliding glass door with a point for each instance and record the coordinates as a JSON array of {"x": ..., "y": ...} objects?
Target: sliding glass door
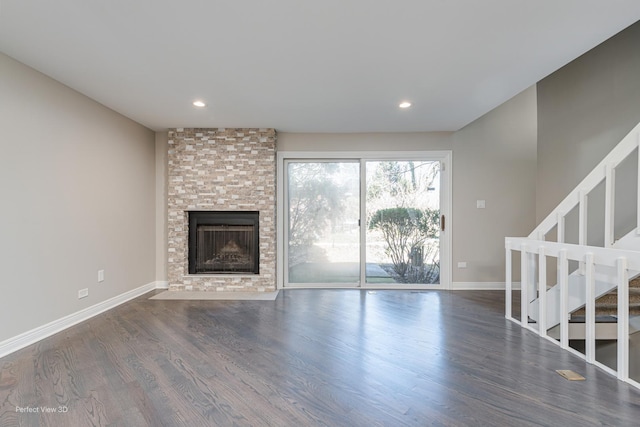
[
  {"x": 403, "y": 222},
  {"x": 323, "y": 233},
  {"x": 364, "y": 222}
]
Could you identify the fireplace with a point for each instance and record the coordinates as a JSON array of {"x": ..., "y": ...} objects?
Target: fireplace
[{"x": 223, "y": 242}]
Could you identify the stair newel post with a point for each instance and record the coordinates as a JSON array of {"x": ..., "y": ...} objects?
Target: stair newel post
[
  {"x": 542, "y": 292},
  {"x": 524, "y": 287},
  {"x": 563, "y": 280},
  {"x": 623, "y": 318},
  {"x": 508, "y": 285},
  {"x": 590, "y": 321},
  {"x": 609, "y": 203}
]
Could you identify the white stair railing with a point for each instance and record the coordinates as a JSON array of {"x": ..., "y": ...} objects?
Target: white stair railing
[
  {"x": 605, "y": 170},
  {"x": 622, "y": 257},
  {"x": 533, "y": 253}
]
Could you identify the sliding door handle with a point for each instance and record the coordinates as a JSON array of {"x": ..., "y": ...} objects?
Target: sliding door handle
[{"x": 441, "y": 222}]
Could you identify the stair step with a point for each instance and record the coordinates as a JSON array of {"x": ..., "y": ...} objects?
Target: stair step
[
  {"x": 599, "y": 319},
  {"x": 608, "y": 304},
  {"x": 606, "y": 328}
]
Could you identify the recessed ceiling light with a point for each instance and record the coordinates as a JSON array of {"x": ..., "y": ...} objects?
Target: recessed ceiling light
[
  {"x": 404, "y": 104},
  {"x": 199, "y": 104}
]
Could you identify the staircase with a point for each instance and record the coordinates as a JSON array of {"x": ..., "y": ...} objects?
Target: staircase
[
  {"x": 595, "y": 294},
  {"x": 604, "y": 284}
]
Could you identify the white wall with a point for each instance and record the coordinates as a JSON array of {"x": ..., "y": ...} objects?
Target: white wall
[
  {"x": 78, "y": 188},
  {"x": 494, "y": 159}
]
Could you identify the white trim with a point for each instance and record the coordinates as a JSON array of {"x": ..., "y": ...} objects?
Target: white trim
[
  {"x": 367, "y": 287},
  {"x": 280, "y": 240},
  {"x": 368, "y": 155},
  {"x": 27, "y": 338},
  {"x": 508, "y": 284},
  {"x": 632, "y": 382},
  {"x": 363, "y": 222},
  {"x": 482, "y": 286},
  {"x": 370, "y": 286},
  {"x": 162, "y": 284}
]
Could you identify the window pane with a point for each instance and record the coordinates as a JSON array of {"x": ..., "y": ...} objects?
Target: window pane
[
  {"x": 403, "y": 222},
  {"x": 323, "y": 209}
]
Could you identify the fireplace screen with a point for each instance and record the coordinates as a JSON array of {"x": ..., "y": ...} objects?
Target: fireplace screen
[{"x": 223, "y": 242}]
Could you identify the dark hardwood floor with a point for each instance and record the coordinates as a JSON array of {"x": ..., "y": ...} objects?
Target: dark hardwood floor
[{"x": 309, "y": 358}]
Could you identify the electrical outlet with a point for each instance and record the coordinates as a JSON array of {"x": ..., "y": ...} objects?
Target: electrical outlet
[
  {"x": 462, "y": 264},
  {"x": 100, "y": 276},
  {"x": 480, "y": 204},
  {"x": 83, "y": 293}
]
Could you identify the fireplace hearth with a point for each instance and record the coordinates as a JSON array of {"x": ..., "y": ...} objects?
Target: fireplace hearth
[{"x": 223, "y": 242}]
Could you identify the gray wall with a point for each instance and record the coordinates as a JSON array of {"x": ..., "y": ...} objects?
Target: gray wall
[
  {"x": 162, "y": 146},
  {"x": 494, "y": 159},
  {"x": 78, "y": 190},
  {"x": 584, "y": 110}
]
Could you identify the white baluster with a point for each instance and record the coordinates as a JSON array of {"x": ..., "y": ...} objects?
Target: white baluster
[
  {"x": 563, "y": 280},
  {"x": 560, "y": 223},
  {"x": 582, "y": 224},
  {"x": 533, "y": 270},
  {"x": 609, "y": 202},
  {"x": 508, "y": 285},
  {"x": 542, "y": 292},
  {"x": 623, "y": 319},
  {"x": 524, "y": 287},
  {"x": 590, "y": 318},
  {"x": 582, "y": 218}
]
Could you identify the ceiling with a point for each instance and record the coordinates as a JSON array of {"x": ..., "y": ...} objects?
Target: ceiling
[{"x": 305, "y": 66}]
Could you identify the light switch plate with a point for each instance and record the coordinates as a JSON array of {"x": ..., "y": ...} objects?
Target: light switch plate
[{"x": 480, "y": 204}]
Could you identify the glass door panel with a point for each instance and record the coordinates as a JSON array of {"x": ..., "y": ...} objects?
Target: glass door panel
[
  {"x": 323, "y": 211},
  {"x": 402, "y": 222}
]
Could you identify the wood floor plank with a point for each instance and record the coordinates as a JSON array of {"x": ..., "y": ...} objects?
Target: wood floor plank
[{"x": 309, "y": 358}]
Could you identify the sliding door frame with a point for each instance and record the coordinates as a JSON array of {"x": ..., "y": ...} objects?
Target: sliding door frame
[{"x": 443, "y": 156}]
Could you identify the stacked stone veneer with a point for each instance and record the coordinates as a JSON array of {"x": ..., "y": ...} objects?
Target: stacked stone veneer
[{"x": 221, "y": 170}]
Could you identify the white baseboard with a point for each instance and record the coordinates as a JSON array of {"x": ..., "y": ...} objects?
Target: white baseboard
[
  {"x": 27, "y": 338},
  {"x": 162, "y": 284},
  {"x": 481, "y": 286}
]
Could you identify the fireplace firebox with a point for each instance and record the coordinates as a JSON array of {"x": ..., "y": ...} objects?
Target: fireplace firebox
[{"x": 223, "y": 242}]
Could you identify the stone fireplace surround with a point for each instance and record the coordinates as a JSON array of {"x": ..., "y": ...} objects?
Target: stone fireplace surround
[{"x": 221, "y": 169}]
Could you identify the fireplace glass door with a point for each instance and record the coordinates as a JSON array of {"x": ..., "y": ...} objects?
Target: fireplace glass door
[
  {"x": 223, "y": 242},
  {"x": 224, "y": 248}
]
